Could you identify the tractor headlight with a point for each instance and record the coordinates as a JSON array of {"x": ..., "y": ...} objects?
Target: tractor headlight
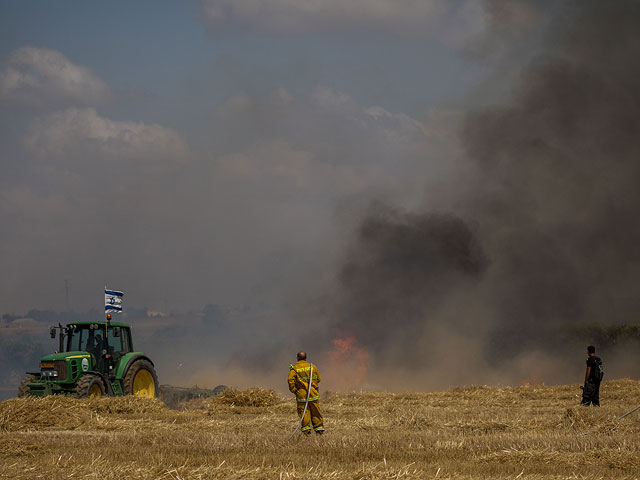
[{"x": 49, "y": 373}]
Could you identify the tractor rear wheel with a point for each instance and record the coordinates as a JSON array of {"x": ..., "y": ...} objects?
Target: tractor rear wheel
[
  {"x": 219, "y": 390},
  {"x": 90, "y": 386},
  {"x": 141, "y": 380},
  {"x": 23, "y": 388}
]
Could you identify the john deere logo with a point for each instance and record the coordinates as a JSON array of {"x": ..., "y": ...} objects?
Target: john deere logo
[{"x": 85, "y": 364}]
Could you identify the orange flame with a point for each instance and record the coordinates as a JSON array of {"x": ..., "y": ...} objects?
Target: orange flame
[{"x": 348, "y": 361}]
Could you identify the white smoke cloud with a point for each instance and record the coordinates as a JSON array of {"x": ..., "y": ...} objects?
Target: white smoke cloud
[
  {"x": 333, "y": 101},
  {"x": 43, "y": 78},
  {"x": 479, "y": 28},
  {"x": 507, "y": 23},
  {"x": 77, "y": 131},
  {"x": 283, "y": 168},
  {"x": 403, "y": 17},
  {"x": 323, "y": 141},
  {"x": 30, "y": 205}
]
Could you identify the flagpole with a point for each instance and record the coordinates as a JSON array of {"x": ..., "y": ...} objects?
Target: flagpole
[{"x": 106, "y": 322}]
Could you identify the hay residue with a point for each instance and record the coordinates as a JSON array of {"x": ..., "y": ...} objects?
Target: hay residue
[
  {"x": 41, "y": 413},
  {"x": 127, "y": 404},
  {"x": 251, "y": 397},
  {"x": 539, "y": 430},
  {"x": 194, "y": 404},
  {"x": 68, "y": 413}
]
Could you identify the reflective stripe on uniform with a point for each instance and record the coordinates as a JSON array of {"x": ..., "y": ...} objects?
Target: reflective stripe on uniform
[
  {"x": 311, "y": 399},
  {"x": 315, "y": 377},
  {"x": 304, "y": 429},
  {"x": 319, "y": 429}
]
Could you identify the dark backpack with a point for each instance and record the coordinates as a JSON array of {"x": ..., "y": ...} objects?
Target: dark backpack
[{"x": 598, "y": 371}]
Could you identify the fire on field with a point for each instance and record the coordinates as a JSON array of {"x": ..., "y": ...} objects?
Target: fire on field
[{"x": 530, "y": 431}]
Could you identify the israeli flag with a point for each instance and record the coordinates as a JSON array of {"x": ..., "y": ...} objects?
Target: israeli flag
[{"x": 112, "y": 300}]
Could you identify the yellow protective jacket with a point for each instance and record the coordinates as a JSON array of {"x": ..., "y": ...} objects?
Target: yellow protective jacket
[{"x": 299, "y": 380}]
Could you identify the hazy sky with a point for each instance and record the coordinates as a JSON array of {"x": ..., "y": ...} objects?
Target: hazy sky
[
  {"x": 196, "y": 152},
  {"x": 433, "y": 177}
]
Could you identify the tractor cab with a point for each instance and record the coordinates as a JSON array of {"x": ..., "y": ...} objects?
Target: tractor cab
[
  {"x": 105, "y": 343},
  {"x": 94, "y": 359}
]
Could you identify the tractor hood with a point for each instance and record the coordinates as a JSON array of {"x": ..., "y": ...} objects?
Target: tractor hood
[{"x": 64, "y": 355}]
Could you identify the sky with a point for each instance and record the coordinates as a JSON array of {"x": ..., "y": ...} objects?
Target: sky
[
  {"x": 198, "y": 152},
  {"x": 424, "y": 182}
]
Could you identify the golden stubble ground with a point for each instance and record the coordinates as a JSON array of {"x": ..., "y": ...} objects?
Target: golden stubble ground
[{"x": 526, "y": 432}]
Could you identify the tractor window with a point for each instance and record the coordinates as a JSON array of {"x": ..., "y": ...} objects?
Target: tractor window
[
  {"x": 119, "y": 344},
  {"x": 84, "y": 339},
  {"x": 75, "y": 340},
  {"x": 126, "y": 340}
]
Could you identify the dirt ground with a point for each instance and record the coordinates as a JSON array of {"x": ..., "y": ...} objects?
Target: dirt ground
[{"x": 526, "y": 432}]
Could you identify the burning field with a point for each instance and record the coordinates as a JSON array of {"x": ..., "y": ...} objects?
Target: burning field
[{"x": 523, "y": 432}]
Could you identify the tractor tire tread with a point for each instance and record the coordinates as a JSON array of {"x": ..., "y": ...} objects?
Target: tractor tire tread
[
  {"x": 84, "y": 385},
  {"x": 23, "y": 388},
  {"x": 135, "y": 367}
]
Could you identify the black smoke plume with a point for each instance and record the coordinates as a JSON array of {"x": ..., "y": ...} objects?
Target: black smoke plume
[
  {"x": 554, "y": 201},
  {"x": 399, "y": 271},
  {"x": 556, "y": 192}
]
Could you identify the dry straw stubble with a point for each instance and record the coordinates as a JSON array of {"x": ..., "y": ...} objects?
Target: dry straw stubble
[{"x": 532, "y": 432}]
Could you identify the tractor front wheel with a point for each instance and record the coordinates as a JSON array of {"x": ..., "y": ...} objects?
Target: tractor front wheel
[
  {"x": 90, "y": 386},
  {"x": 23, "y": 388},
  {"x": 141, "y": 380}
]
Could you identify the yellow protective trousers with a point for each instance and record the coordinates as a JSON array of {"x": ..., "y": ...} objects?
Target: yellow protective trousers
[{"x": 313, "y": 416}]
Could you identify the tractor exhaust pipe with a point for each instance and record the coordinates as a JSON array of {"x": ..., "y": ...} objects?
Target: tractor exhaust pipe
[
  {"x": 61, "y": 337},
  {"x": 52, "y": 332}
]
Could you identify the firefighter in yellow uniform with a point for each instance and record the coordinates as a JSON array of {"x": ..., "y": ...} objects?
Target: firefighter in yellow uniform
[{"x": 298, "y": 383}]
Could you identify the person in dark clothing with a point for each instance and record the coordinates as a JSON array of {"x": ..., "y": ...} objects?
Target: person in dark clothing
[{"x": 592, "y": 378}]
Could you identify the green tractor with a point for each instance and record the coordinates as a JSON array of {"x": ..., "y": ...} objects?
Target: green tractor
[{"x": 94, "y": 359}]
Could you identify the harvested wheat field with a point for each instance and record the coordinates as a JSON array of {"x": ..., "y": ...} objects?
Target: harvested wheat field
[{"x": 527, "y": 432}]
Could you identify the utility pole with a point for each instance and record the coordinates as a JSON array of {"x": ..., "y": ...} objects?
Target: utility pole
[{"x": 66, "y": 294}]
